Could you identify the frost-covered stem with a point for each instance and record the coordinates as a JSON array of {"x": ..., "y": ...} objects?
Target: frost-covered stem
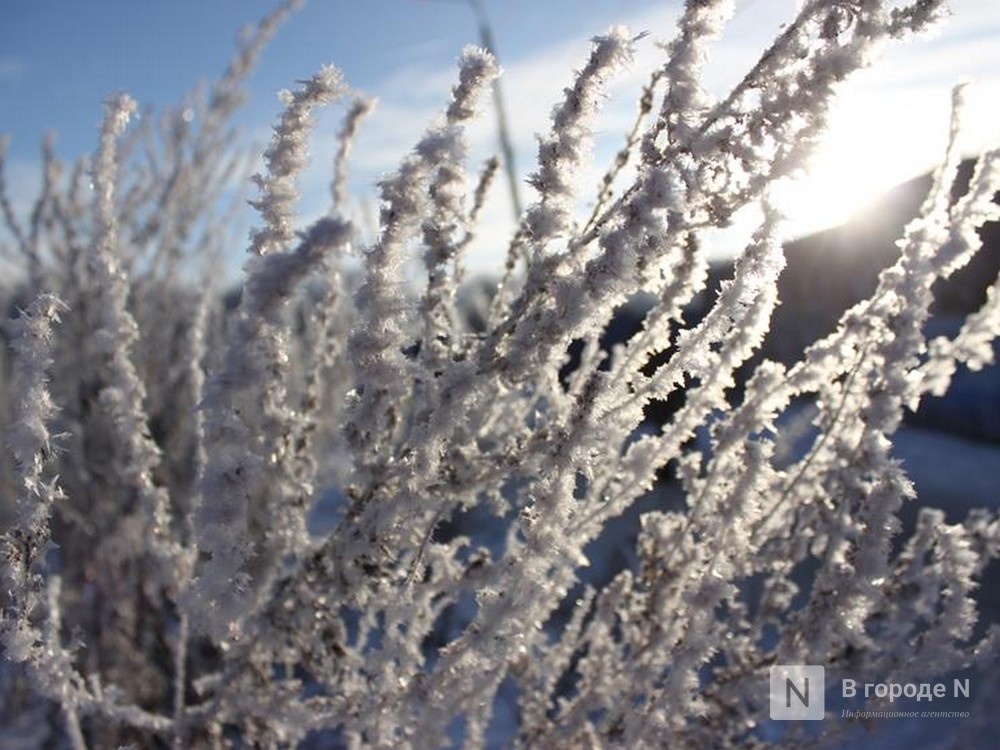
[
  {"x": 326, "y": 348},
  {"x": 502, "y": 297},
  {"x": 226, "y": 93},
  {"x": 486, "y": 176},
  {"x": 196, "y": 384},
  {"x": 30, "y": 440},
  {"x": 732, "y": 330},
  {"x": 176, "y": 192},
  {"x": 240, "y": 468},
  {"x": 831, "y": 426},
  {"x": 124, "y": 393},
  {"x": 549, "y": 552},
  {"x": 41, "y": 210},
  {"x": 795, "y": 77},
  {"x": 685, "y": 100},
  {"x": 896, "y": 311},
  {"x": 53, "y": 627},
  {"x": 285, "y": 158},
  {"x": 870, "y": 494},
  {"x": 73, "y": 730},
  {"x": 767, "y": 62},
  {"x": 118, "y": 111},
  {"x": 245, "y": 402},
  {"x": 626, "y": 152},
  {"x": 48, "y": 662},
  {"x": 565, "y": 297},
  {"x": 973, "y": 346},
  {"x": 442, "y": 245},
  {"x": 447, "y": 193},
  {"x": 180, "y": 679},
  {"x": 562, "y": 151},
  {"x": 687, "y": 278},
  {"x": 360, "y": 108},
  {"x": 67, "y": 208},
  {"x": 375, "y": 347},
  {"x": 9, "y": 216},
  {"x": 197, "y": 331},
  {"x": 935, "y": 206},
  {"x": 561, "y": 155}
]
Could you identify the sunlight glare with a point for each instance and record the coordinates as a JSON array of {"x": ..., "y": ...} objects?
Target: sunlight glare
[{"x": 870, "y": 148}]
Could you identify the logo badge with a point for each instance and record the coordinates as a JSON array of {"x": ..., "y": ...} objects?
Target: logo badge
[{"x": 798, "y": 692}]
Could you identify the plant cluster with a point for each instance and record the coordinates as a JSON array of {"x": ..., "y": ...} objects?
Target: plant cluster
[{"x": 162, "y": 583}]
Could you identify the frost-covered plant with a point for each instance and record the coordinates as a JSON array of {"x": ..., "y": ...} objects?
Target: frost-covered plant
[{"x": 162, "y": 585}]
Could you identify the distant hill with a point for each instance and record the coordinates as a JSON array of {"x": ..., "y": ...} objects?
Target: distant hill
[{"x": 828, "y": 272}]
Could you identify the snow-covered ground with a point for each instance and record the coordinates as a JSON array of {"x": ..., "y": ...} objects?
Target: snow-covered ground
[{"x": 951, "y": 473}]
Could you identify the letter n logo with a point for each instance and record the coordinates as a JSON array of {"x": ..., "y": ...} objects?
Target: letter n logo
[{"x": 797, "y": 692}]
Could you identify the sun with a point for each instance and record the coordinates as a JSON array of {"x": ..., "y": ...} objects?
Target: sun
[{"x": 870, "y": 147}]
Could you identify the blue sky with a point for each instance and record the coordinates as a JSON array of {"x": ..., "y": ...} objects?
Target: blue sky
[{"x": 60, "y": 58}]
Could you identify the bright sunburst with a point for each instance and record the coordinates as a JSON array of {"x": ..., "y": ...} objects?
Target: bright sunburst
[{"x": 871, "y": 147}]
